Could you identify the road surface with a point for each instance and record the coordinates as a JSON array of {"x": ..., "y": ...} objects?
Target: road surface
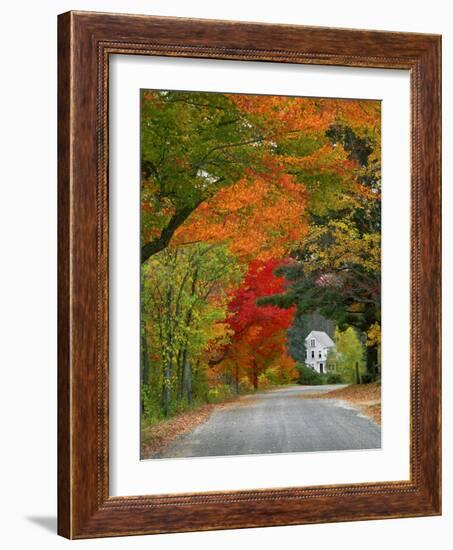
[{"x": 279, "y": 421}]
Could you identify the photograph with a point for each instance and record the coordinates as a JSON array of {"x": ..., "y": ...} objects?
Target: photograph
[{"x": 260, "y": 279}]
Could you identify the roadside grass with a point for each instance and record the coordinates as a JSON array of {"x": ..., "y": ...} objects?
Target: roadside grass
[{"x": 366, "y": 397}]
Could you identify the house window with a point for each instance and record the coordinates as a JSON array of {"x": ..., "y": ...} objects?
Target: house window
[
  {"x": 320, "y": 354},
  {"x": 321, "y": 368},
  {"x": 312, "y": 354},
  {"x": 312, "y": 342}
]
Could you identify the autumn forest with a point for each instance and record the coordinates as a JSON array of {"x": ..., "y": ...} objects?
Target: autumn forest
[{"x": 260, "y": 221}]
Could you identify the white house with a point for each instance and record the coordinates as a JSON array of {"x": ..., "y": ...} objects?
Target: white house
[{"x": 317, "y": 345}]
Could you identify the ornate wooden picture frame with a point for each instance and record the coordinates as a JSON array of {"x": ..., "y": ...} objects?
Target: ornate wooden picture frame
[{"x": 85, "y": 42}]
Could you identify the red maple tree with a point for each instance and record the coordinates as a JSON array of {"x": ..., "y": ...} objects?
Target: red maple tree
[{"x": 259, "y": 331}]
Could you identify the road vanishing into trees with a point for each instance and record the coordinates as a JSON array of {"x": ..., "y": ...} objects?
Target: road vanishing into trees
[{"x": 279, "y": 421}]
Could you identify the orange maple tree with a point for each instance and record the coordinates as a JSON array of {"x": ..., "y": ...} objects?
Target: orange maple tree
[{"x": 256, "y": 217}]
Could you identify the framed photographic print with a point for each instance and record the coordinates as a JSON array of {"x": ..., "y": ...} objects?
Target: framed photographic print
[{"x": 249, "y": 275}]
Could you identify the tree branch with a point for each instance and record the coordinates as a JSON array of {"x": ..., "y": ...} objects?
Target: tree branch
[{"x": 161, "y": 242}]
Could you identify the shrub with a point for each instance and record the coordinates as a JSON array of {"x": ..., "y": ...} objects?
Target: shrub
[
  {"x": 273, "y": 376},
  {"x": 150, "y": 404},
  {"x": 263, "y": 381},
  {"x": 334, "y": 378},
  {"x": 221, "y": 392},
  {"x": 284, "y": 371},
  {"x": 245, "y": 386},
  {"x": 310, "y": 377}
]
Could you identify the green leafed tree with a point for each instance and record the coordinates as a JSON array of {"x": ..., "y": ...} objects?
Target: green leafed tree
[
  {"x": 184, "y": 304},
  {"x": 192, "y": 145},
  {"x": 347, "y": 359}
]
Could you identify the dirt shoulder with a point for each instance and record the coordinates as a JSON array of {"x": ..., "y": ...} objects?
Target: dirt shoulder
[{"x": 366, "y": 397}]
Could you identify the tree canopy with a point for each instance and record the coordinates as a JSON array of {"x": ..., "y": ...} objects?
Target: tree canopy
[{"x": 260, "y": 220}]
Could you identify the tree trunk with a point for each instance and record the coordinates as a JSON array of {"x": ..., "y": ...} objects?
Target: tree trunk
[
  {"x": 166, "y": 387},
  {"x": 187, "y": 376},
  {"x": 372, "y": 362},
  {"x": 255, "y": 376},
  {"x": 189, "y": 381},
  {"x": 161, "y": 242},
  {"x": 237, "y": 378},
  {"x": 145, "y": 360},
  {"x": 179, "y": 376},
  {"x": 168, "y": 369},
  {"x": 144, "y": 341},
  {"x": 357, "y": 374}
]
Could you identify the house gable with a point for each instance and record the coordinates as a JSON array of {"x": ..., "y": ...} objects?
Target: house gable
[{"x": 322, "y": 339}]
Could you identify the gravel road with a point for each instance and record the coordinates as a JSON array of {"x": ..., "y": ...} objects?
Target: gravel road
[{"x": 279, "y": 421}]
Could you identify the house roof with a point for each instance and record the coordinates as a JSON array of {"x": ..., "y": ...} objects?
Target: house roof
[{"x": 322, "y": 337}]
